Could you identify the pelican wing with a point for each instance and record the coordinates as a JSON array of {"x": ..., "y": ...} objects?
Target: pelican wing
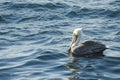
[{"x": 88, "y": 47}]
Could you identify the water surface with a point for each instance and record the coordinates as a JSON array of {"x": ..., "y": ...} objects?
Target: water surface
[{"x": 35, "y": 36}]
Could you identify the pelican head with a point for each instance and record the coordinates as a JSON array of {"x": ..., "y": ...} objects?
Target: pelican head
[
  {"x": 75, "y": 39},
  {"x": 77, "y": 31}
]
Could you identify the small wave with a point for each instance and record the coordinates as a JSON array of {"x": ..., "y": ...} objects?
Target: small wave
[
  {"x": 116, "y": 48},
  {"x": 52, "y": 32},
  {"x": 5, "y": 42},
  {"x": 50, "y": 55},
  {"x": 114, "y": 14},
  {"x": 35, "y": 7},
  {"x": 2, "y": 20},
  {"x": 1, "y": 48},
  {"x": 72, "y": 14},
  {"x": 79, "y": 12},
  {"x": 11, "y": 5},
  {"x": 115, "y": 3},
  {"x": 4, "y": 74},
  {"x": 117, "y": 38},
  {"x": 32, "y": 62},
  {"x": 47, "y": 57},
  {"x": 32, "y": 18},
  {"x": 118, "y": 33},
  {"x": 43, "y": 40},
  {"x": 7, "y": 18},
  {"x": 41, "y": 18},
  {"x": 53, "y": 17},
  {"x": 4, "y": 32},
  {"x": 8, "y": 42}
]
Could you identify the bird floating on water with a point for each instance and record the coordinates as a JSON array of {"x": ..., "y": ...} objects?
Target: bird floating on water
[{"x": 86, "y": 49}]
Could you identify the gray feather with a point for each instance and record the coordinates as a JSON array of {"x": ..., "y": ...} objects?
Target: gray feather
[{"x": 88, "y": 47}]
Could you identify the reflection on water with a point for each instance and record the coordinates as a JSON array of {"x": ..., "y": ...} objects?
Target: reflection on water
[{"x": 95, "y": 68}]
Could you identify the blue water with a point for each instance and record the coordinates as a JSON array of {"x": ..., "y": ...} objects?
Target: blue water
[{"x": 35, "y": 36}]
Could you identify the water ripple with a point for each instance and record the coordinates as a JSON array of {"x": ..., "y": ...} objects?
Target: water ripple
[
  {"x": 11, "y": 5},
  {"x": 35, "y": 36}
]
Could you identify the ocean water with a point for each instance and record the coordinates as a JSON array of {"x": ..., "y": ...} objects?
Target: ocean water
[{"x": 35, "y": 36}]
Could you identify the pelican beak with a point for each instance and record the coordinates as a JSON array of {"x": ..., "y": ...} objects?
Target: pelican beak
[{"x": 74, "y": 38}]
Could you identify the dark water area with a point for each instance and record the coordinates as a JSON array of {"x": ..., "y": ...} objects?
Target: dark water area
[{"x": 35, "y": 36}]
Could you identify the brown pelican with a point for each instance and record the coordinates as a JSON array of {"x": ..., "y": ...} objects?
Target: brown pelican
[{"x": 86, "y": 49}]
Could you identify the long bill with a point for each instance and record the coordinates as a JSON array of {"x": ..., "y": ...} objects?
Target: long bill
[{"x": 74, "y": 38}]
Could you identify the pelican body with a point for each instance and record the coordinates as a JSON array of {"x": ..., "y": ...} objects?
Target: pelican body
[{"x": 86, "y": 49}]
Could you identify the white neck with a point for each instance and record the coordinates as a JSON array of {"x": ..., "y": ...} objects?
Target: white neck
[{"x": 77, "y": 42}]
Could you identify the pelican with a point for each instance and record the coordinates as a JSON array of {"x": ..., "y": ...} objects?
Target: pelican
[{"x": 85, "y": 49}]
